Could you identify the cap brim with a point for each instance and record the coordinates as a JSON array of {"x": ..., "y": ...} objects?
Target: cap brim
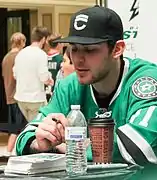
[{"x": 80, "y": 40}]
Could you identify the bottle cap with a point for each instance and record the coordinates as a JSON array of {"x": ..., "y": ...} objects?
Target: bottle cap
[{"x": 75, "y": 107}]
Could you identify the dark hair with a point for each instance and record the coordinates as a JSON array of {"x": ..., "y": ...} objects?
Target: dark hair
[
  {"x": 38, "y": 33},
  {"x": 52, "y": 39},
  {"x": 66, "y": 49}
]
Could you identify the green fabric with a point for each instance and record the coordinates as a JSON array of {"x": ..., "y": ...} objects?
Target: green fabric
[
  {"x": 123, "y": 106},
  {"x": 54, "y": 62}
]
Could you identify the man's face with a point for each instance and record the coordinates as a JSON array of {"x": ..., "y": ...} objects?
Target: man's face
[{"x": 92, "y": 62}]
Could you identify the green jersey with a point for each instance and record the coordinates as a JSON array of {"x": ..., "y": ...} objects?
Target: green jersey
[
  {"x": 133, "y": 108},
  {"x": 54, "y": 62}
]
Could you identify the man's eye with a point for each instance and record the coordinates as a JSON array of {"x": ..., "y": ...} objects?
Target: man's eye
[
  {"x": 74, "y": 49},
  {"x": 90, "y": 50}
]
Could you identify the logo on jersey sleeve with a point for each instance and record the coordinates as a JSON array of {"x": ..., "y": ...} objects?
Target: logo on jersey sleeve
[{"x": 145, "y": 88}]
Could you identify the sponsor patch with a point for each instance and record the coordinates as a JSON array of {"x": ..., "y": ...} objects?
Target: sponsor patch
[{"x": 145, "y": 88}]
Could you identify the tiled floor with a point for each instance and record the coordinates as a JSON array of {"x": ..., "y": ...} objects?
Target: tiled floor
[
  {"x": 3, "y": 150},
  {"x": 3, "y": 143}
]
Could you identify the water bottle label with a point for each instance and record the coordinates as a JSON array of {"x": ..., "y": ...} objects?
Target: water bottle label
[{"x": 75, "y": 133}]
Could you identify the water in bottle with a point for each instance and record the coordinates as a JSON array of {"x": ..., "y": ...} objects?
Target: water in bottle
[{"x": 75, "y": 136}]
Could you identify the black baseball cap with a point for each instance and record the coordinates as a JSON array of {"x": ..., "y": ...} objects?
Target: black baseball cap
[{"x": 94, "y": 25}]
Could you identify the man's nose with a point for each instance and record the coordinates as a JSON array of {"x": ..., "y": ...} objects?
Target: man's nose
[{"x": 81, "y": 57}]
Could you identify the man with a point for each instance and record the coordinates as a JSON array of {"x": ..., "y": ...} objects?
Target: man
[
  {"x": 103, "y": 79},
  {"x": 16, "y": 120},
  {"x": 31, "y": 73},
  {"x": 54, "y": 60}
]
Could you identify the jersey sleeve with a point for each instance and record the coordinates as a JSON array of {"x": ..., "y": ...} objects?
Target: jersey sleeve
[
  {"x": 137, "y": 139},
  {"x": 59, "y": 104}
]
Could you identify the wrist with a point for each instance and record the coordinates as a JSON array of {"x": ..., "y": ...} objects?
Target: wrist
[{"x": 34, "y": 148}]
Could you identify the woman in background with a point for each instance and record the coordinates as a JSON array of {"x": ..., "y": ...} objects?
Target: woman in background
[
  {"x": 66, "y": 66},
  {"x": 16, "y": 120}
]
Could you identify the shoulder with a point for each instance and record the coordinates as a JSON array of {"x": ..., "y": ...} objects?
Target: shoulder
[
  {"x": 6, "y": 57},
  {"x": 59, "y": 57},
  {"x": 9, "y": 57},
  {"x": 139, "y": 68},
  {"x": 70, "y": 85},
  {"x": 56, "y": 57},
  {"x": 142, "y": 78},
  {"x": 71, "y": 80},
  {"x": 39, "y": 53}
]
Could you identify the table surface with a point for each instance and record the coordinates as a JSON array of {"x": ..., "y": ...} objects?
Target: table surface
[{"x": 130, "y": 173}]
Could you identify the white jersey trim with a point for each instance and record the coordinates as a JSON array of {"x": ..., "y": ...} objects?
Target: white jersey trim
[
  {"x": 28, "y": 128},
  {"x": 53, "y": 55},
  {"x": 126, "y": 67},
  {"x": 140, "y": 142},
  {"x": 92, "y": 94},
  {"x": 124, "y": 152},
  {"x": 134, "y": 116},
  {"x": 148, "y": 115}
]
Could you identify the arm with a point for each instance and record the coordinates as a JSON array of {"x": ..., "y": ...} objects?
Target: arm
[
  {"x": 44, "y": 74},
  {"x": 34, "y": 147},
  {"x": 14, "y": 72},
  {"x": 59, "y": 104},
  {"x": 137, "y": 139}
]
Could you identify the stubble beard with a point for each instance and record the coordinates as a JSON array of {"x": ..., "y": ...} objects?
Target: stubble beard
[{"x": 100, "y": 77}]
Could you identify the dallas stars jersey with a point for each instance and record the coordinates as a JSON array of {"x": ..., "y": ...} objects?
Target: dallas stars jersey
[
  {"x": 133, "y": 108},
  {"x": 54, "y": 61}
]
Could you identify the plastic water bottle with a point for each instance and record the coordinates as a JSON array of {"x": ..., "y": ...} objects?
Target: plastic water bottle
[{"x": 75, "y": 136}]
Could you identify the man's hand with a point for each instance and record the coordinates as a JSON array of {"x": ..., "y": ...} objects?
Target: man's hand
[
  {"x": 49, "y": 82},
  {"x": 50, "y": 133}
]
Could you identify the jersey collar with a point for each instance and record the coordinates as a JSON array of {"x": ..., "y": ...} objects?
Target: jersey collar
[{"x": 125, "y": 71}]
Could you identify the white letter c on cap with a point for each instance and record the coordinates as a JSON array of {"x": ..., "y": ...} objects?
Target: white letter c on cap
[{"x": 80, "y": 17}]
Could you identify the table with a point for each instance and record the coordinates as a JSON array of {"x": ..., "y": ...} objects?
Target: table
[
  {"x": 121, "y": 174},
  {"x": 130, "y": 173}
]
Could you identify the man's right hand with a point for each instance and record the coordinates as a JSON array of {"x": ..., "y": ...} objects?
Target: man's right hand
[
  {"x": 49, "y": 82},
  {"x": 50, "y": 133}
]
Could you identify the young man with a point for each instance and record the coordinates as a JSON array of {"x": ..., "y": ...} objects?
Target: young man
[
  {"x": 54, "y": 57},
  {"x": 103, "y": 79},
  {"x": 54, "y": 60},
  {"x": 16, "y": 120},
  {"x": 31, "y": 73}
]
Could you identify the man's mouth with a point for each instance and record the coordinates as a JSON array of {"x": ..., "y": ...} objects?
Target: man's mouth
[
  {"x": 82, "y": 72},
  {"x": 81, "y": 69}
]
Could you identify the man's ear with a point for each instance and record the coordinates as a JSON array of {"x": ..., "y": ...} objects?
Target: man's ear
[{"x": 118, "y": 49}]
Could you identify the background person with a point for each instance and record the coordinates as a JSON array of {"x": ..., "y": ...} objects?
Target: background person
[
  {"x": 54, "y": 59},
  {"x": 31, "y": 73},
  {"x": 67, "y": 66},
  {"x": 16, "y": 120}
]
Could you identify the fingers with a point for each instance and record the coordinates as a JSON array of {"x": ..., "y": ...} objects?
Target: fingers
[
  {"x": 61, "y": 131},
  {"x": 51, "y": 128},
  {"x": 42, "y": 136},
  {"x": 59, "y": 117},
  {"x": 61, "y": 122}
]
